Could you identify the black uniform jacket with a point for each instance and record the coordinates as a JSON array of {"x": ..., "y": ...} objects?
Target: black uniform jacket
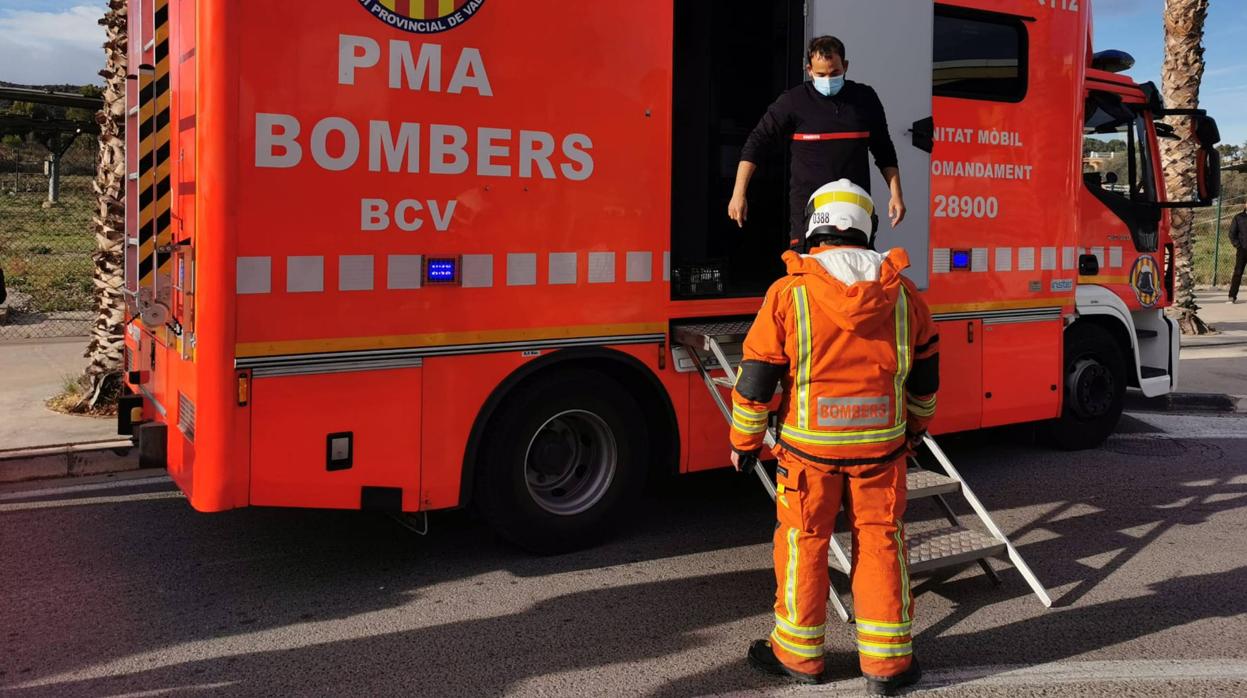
[
  {"x": 1238, "y": 231},
  {"x": 828, "y": 137}
]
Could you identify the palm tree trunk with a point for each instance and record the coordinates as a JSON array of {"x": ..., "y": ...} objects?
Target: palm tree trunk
[
  {"x": 107, "y": 345},
  {"x": 1181, "y": 75}
]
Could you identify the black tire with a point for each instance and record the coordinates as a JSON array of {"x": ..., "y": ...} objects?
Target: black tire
[
  {"x": 1094, "y": 384},
  {"x": 557, "y": 501}
]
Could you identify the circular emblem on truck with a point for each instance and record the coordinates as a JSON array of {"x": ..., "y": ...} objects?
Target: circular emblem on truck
[
  {"x": 423, "y": 16},
  {"x": 1145, "y": 280}
]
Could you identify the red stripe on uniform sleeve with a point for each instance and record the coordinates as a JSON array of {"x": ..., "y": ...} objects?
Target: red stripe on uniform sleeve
[{"x": 843, "y": 136}]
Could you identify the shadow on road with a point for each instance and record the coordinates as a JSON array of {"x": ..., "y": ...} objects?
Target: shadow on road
[{"x": 101, "y": 585}]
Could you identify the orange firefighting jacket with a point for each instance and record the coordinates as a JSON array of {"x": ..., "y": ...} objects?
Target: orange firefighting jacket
[{"x": 856, "y": 351}]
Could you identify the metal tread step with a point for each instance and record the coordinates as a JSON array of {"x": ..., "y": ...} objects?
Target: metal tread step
[
  {"x": 696, "y": 334},
  {"x": 1146, "y": 334},
  {"x": 936, "y": 550},
  {"x": 925, "y": 483}
]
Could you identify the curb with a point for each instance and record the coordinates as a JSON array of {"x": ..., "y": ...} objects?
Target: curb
[
  {"x": 1183, "y": 402},
  {"x": 70, "y": 460}
]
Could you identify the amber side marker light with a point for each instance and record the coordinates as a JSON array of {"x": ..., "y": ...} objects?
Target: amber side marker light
[{"x": 244, "y": 389}]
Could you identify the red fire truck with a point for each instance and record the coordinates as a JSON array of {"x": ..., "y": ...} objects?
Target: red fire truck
[{"x": 418, "y": 255}]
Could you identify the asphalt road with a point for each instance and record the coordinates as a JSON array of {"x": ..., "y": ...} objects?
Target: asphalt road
[{"x": 118, "y": 588}]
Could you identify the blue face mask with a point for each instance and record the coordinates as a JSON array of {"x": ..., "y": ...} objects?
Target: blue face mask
[{"x": 829, "y": 87}]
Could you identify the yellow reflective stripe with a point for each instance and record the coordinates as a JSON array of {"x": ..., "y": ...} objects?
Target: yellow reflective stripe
[
  {"x": 800, "y": 301},
  {"x": 921, "y": 410},
  {"x": 748, "y": 428},
  {"x": 902, "y": 351},
  {"x": 811, "y": 632},
  {"x": 809, "y": 651},
  {"x": 842, "y": 438},
  {"x": 883, "y": 650},
  {"x": 871, "y": 627},
  {"x": 929, "y": 402},
  {"x": 790, "y": 583},
  {"x": 749, "y": 415},
  {"x": 845, "y": 197},
  {"x": 900, "y": 556}
]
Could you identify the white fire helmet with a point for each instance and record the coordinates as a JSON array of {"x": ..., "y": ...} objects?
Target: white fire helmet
[{"x": 841, "y": 205}]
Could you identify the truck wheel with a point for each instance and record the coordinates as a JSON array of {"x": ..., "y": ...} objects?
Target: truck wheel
[
  {"x": 1095, "y": 389},
  {"x": 564, "y": 456}
]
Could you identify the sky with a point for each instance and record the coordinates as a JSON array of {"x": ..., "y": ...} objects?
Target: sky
[{"x": 58, "y": 41}]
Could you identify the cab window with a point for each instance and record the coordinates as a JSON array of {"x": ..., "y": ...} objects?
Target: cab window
[{"x": 1118, "y": 167}]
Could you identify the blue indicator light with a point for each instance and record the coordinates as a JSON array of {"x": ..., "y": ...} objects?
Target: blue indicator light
[
  {"x": 442, "y": 271},
  {"x": 961, "y": 259}
]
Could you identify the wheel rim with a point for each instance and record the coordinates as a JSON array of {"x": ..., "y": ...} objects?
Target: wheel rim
[
  {"x": 570, "y": 462},
  {"x": 1091, "y": 389}
]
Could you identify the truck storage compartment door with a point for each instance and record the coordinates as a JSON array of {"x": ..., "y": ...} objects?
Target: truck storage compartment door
[
  {"x": 889, "y": 47},
  {"x": 337, "y": 440},
  {"x": 1021, "y": 371}
]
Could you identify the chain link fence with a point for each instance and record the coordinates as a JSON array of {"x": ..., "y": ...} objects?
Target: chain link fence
[
  {"x": 46, "y": 240},
  {"x": 1213, "y": 255}
]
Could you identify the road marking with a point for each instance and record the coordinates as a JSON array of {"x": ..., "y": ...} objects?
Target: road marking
[
  {"x": 1109, "y": 671},
  {"x": 87, "y": 501},
  {"x": 1188, "y": 427},
  {"x": 70, "y": 489},
  {"x": 1126, "y": 671}
]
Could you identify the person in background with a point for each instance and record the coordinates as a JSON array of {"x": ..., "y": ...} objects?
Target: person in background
[{"x": 1238, "y": 238}]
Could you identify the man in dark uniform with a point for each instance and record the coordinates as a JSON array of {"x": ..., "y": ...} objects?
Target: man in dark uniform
[
  {"x": 830, "y": 123},
  {"x": 1238, "y": 238}
]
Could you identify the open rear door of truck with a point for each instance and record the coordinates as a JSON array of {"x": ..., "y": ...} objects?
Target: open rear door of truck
[{"x": 888, "y": 43}]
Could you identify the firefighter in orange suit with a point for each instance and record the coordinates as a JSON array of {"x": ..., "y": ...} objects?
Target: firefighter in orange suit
[{"x": 856, "y": 352}]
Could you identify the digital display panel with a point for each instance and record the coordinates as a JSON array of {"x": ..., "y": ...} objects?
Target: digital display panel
[
  {"x": 442, "y": 271},
  {"x": 961, "y": 259}
]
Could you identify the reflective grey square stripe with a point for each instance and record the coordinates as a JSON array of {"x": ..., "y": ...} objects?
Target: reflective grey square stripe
[
  {"x": 562, "y": 268},
  {"x": 355, "y": 272},
  {"x": 640, "y": 267},
  {"x": 255, "y": 275},
  {"x": 1100, "y": 259},
  {"x": 1047, "y": 259},
  {"x": 601, "y": 267},
  {"x": 478, "y": 271},
  {"x": 666, "y": 266},
  {"x": 305, "y": 274},
  {"x": 522, "y": 269},
  {"x": 1114, "y": 257},
  {"x": 1026, "y": 259},
  {"x": 978, "y": 259},
  {"x": 1004, "y": 259},
  {"x": 1069, "y": 258},
  {"x": 941, "y": 260},
  {"x": 404, "y": 271}
]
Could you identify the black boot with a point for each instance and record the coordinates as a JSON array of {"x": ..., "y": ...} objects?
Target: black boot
[
  {"x": 762, "y": 658},
  {"x": 891, "y": 685}
]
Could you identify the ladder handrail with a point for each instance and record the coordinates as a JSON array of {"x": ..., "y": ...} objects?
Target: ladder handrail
[
  {"x": 769, "y": 439},
  {"x": 1014, "y": 556},
  {"x": 727, "y": 414}
]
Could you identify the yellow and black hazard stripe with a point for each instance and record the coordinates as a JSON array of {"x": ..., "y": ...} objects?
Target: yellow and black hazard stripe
[{"x": 155, "y": 230}]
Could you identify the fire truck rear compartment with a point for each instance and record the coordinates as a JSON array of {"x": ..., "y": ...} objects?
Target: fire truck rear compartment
[{"x": 731, "y": 60}]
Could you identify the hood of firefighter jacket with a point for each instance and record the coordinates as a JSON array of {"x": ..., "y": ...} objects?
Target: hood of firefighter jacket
[{"x": 858, "y": 288}]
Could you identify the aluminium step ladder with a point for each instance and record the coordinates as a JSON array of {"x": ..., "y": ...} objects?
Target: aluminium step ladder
[{"x": 716, "y": 344}]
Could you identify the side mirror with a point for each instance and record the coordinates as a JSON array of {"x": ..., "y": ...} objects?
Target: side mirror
[{"x": 1204, "y": 135}]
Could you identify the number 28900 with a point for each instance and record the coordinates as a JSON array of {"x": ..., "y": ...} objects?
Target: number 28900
[{"x": 966, "y": 206}]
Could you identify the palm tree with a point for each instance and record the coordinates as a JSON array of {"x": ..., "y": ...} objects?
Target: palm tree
[
  {"x": 106, "y": 349},
  {"x": 1181, "y": 75}
]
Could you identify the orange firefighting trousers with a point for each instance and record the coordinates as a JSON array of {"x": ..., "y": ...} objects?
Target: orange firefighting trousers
[{"x": 808, "y": 498}]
